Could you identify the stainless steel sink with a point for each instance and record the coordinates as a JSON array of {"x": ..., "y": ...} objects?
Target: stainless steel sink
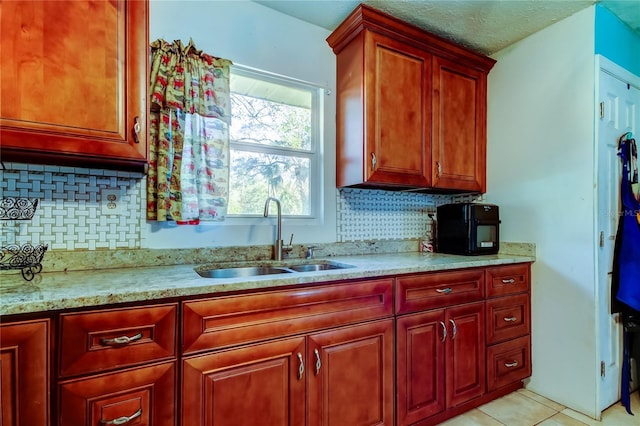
[
  {"x": 312, "y": 267},
  {"x": 257, "y": 268},
  {"x": 237, "y": 272}
]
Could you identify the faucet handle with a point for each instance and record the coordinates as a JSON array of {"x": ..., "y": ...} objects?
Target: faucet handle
[{"x": 310, "y": 250}]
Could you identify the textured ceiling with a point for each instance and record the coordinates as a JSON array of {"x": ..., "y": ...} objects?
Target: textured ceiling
[{"x": 485, "y": 26}]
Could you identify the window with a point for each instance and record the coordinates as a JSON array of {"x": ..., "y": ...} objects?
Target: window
[{"x": 274, "y": 144}]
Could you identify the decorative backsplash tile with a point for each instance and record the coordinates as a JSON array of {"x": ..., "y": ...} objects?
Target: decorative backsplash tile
[
  {"x": 366, "y": 214},
  {"x": 70, "y": 214}
]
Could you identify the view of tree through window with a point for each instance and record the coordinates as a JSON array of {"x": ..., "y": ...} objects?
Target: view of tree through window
[{"x": 272, "y": 145}]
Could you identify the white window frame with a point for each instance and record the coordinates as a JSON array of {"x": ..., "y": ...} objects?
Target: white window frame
[{"x": 315, "y": 154}]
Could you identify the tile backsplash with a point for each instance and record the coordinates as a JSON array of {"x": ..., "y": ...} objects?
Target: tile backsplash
[
  {"x": 70, "y": 216},
  {"x": 365, "y": 214}
]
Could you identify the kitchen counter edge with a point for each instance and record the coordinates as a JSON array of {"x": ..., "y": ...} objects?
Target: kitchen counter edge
[{"x": 83, "y": 289}]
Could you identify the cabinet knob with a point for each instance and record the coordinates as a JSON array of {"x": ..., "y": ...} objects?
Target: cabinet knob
[
  {"x": 511, "y": 364},
  {"x": 374, "y": 161},
  {"x": 508, "y": 281},
  {"x": 509, "y": 319},
  {"x": 438, "y": 169}
]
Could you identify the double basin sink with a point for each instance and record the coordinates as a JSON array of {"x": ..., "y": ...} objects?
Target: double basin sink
[{"x": 252, "y": 269}]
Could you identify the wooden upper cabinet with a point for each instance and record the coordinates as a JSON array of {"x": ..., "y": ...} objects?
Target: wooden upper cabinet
[
  {"x": 411, "y": 107},
  {"x": 73, "y": 83},
  {"x": 390, "y": 117},
  {"x": 459, "y": 126}
]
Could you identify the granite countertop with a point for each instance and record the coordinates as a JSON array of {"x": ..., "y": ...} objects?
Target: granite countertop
[{"x": 53, "y": 291}]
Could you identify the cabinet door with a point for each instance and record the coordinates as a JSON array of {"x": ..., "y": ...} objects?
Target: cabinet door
[
  {"x": 397, "y": 112},
  {"x": 420, "y": 341},
  {"x": 72, "y": 88},
  {"x": 141, "y": 396},
  {"x": 459, "y": 126},
  {"x": 24, "y": 373},
  {"x": 261, "y": 384},
  {"x": 350, "y": 376},
  {"x": 465, "y": 353}
]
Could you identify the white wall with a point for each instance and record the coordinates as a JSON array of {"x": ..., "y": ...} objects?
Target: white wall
[
  {"x": 252, "y": 35},
  {"x": 540, "y": 170}
]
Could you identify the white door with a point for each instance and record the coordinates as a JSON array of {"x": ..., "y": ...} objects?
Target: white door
[{"x": 619, "y": 107}]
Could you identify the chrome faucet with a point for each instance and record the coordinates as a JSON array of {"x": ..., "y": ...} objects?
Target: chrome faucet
[{"x": 277, "y": 245}]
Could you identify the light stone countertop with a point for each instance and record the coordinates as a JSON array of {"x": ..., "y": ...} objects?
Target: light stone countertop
[{"x": 53, "y": 291}]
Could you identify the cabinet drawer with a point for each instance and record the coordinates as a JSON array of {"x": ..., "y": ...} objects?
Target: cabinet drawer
[
  {"x": 508, "y": 280},
  {"x": 232, "y": 320},
  {"x": 508, "y": 317},
  {"x": 427, "y": 291},
  {"x": 113, "y": 338},
  {"x": 139, "y": 396},
  {"x": 508, "y": 362}
]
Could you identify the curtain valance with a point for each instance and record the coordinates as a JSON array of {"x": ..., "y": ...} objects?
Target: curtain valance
[{"x": 185, "y": 78}]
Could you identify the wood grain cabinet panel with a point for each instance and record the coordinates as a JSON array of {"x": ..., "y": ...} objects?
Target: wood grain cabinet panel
[
  {"x": 141, "y": 396},
  {"x": 350, "y": 375},
  {"x": 73, "y": 89},
  {"x": 441, "y": 361},
  {"x": 24, "y": 373},
  {"x": 411, "y": 107},
  {"x": 341, "y": 376},
  {"x": 390, "y": 118},
  {"x": 508, "y": 362},
  {"x": 114, "y": 338},
  {"x": 261, "y": 384},
  {"x": 420, "y": 366},
  {"x": 508, "y": 311},
  {"x": 438, "y": 289},
  {"x": 508, "y": 317},
  {"x": 459, "y": 126},
  {"x": 509, "y": 279},
  {"x": 239, "y": 319}
]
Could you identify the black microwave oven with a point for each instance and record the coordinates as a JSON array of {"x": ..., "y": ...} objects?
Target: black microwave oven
[{"x": 468, "y": 229}]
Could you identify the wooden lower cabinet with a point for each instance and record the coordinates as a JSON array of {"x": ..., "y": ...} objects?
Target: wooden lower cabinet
[
  {"x": 340, "y": 376},
  {"x": 440, "y": 360},
  {"x": 142, "y": 396},
  {"x": 24, "y": 373}
]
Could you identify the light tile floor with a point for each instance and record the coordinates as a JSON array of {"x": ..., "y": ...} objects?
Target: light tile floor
[{"x": 525, "y": 408}]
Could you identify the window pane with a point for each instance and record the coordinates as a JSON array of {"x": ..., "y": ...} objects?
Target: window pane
[
  {"x": 256, "y": 176},
  {"x": 266, "y": 122}
]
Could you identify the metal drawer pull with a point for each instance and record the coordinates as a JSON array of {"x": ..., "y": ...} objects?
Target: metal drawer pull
[
  {"x": 444, "y": 331},
  {"x": 510, "y": 319},
  {"x": 374, "y": 161},
  {"x": 509, "y": 365},
  {"x": 122, "y": 340},
  {"x": 318, "y": 363},
  {"x": 444, "y": 290},
  {"x": 508, "y": 281},
  {"x": 122, "y": 420},
  {"x": 300, "y": 367},
  {"x": 454, "y": 329}
]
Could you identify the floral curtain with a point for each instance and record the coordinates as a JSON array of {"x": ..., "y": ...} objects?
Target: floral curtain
[{"x": 188, "y": 178}]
